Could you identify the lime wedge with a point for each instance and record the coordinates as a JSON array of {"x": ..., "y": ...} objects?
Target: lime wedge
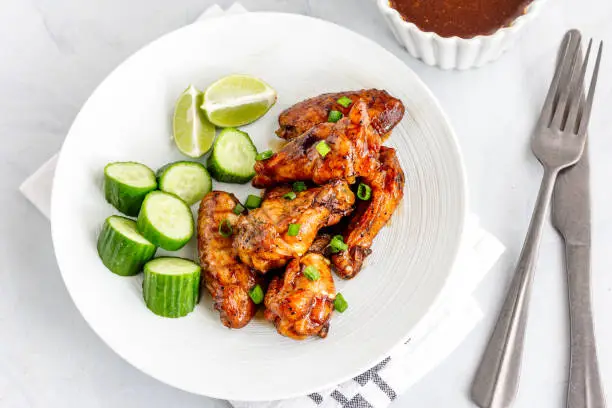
[
  {"x": 193, "y": 132},
  {"x": 236, "y": 100}
]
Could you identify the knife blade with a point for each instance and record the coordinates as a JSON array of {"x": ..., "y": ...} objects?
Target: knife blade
[
  {"x": 571, "y": 203},
  {"x": 571, "y": 217}
]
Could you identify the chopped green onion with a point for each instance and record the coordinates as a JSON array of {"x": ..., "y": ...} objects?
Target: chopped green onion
[
  {"x": 264, "y": 155},
  {"x": 334, "y": 116},
  {"x": 345, "y": 101},
  {"x": 364, "y": 192},
  {"x": 256, "y": 294},
  {"x": 252, "y": 202},
  {"x": 340, "y": 304},
  {"x": 238, "y": 209},
  {"x": 225, "y": 228},
  {"x": 299, "y": 186},
  {"x": 290, "y": 195},
  {"x": 293, "y": 230},
  {"x": 311, "y": 272},
  {"x": 337, "y": 244},
  {"x": 323, "y": 148}
]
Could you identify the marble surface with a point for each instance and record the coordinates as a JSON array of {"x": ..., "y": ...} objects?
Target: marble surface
[{"x": 53, "y": 53}]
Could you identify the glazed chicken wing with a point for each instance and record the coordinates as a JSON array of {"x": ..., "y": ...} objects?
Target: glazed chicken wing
[
  {"x": 227, "y": 279},
  {"x": 384, "y": 110},
  {"x": 353, "y": 151},
  {"x": 298, "y": 306},
  {"x": 370, "y": 216},
  {"x": 264, "y": 239},
  {"x": 320, "y": 244}
]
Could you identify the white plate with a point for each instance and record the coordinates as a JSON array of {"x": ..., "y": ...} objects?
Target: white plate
[{"x": 129, "y": 118}]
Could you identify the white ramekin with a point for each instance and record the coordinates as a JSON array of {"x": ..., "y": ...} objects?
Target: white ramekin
[{"x": 455, "y": 52}]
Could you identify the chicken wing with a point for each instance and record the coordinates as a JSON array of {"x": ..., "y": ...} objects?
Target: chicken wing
[
  {"x": 385, "y": 111},
  {"x": 353, "y": 151},
  {"x": 227, "y": 279},
  {"x": 264, "y": 239},
  {"x": 370, "y": 216},
  {"x": 320, "y": 244},
  {"x": 298, "y": 306}
]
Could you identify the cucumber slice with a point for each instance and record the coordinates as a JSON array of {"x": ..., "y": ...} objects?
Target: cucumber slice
[
  {"x": 233, "y": 157},
  {"x": 122, "y": 249},
  {"x": 171, "y": 286},
  {"x": 165, "y": 220},
  {"x": 189, "y": 181},
  {"x": 126, "y": 184}
]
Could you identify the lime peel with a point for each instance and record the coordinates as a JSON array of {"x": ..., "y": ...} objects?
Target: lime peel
[
  {"x": 192, "y": 131},
  {"x": 237, "y": 100}
]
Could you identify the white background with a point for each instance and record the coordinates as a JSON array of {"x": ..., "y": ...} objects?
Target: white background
[{"x": 53, "y": 53}]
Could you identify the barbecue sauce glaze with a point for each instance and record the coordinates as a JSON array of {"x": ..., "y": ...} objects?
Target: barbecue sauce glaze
[{"x": 461, "y": 18}]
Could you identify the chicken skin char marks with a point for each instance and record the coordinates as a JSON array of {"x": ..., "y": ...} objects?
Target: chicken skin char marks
[
  {"x": 281, "y": 229},
  {"x": 321, "y": 244},
  {"x": 370, "y": 216},
  {"x": 384, "y": 110},
  {"x": 227, "y": 279},
  {"x": 353, "y": 151},
  {"x": 298, "y": 306}
]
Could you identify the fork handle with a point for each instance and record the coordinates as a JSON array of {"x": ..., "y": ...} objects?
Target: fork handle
[
  {"x": 584, "y": 387},
  {"x": 496, "y": 379}
]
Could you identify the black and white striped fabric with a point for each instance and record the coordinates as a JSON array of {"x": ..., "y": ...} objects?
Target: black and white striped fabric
[{"x": 358, "y": 400}]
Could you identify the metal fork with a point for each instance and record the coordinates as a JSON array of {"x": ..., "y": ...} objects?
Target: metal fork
[{"x": 557, "y": 142}]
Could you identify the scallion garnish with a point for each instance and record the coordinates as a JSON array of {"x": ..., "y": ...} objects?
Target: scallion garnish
[
  {"x": 252, "y": 202},
  {"x": 299, "y": 186},
  {"x": 264, "y": 155},
  {"x": 311, "y": 272},
  {"x": 225, "y": 228},
  {"x": 340, "y": 304},
  {"x": 323, "y": 148},
  {"x": 256, "y": 294},
  {"x": 290, "y": 195},
  {"x": 334, "y": 116},
  {"x": 337, "y": 244},
  {"x": 238, "y": 209},
  {"x": 293, "y": 230},
  {"x": 345, "y": 101},
  {"x": 364, "y": 192}
]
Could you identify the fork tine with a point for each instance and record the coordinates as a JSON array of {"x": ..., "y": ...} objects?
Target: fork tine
[
  {"x": 565, "y": 86},
  {"x": 586, "y": 114},
  {"x": 577, "y": 91},
  {"x": 571, "y": 40}
]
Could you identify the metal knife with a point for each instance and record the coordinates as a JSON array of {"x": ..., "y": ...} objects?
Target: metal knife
[{"x": 571, "y": 216}]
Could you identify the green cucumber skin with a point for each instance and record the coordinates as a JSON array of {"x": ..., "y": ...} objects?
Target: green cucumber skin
[
  {"x": 170, "y": 295},
  {"x": 121, "y": 255},
  {"x": 126, "y": 199},
  {"x": 219, "y": 174},
  {"x": 163, "y": 170},
  {"x": 151, "y": 233},
  {"x": 215, "y": 166}
]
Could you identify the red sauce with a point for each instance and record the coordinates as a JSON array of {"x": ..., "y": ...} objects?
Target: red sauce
[{"x": 461, "y": 18}]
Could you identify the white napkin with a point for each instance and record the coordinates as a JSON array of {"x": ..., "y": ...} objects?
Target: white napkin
[
  {"x": 450, "y": 320},
  {"x": 37, "y": 187}
]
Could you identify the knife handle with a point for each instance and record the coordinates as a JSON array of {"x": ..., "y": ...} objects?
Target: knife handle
[
  {"x": 497, "y": 377},
  {"x": 584, "y": 388}
]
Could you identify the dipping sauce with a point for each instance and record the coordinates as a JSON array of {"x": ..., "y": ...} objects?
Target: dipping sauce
[{"x": 461, "y": 18}]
